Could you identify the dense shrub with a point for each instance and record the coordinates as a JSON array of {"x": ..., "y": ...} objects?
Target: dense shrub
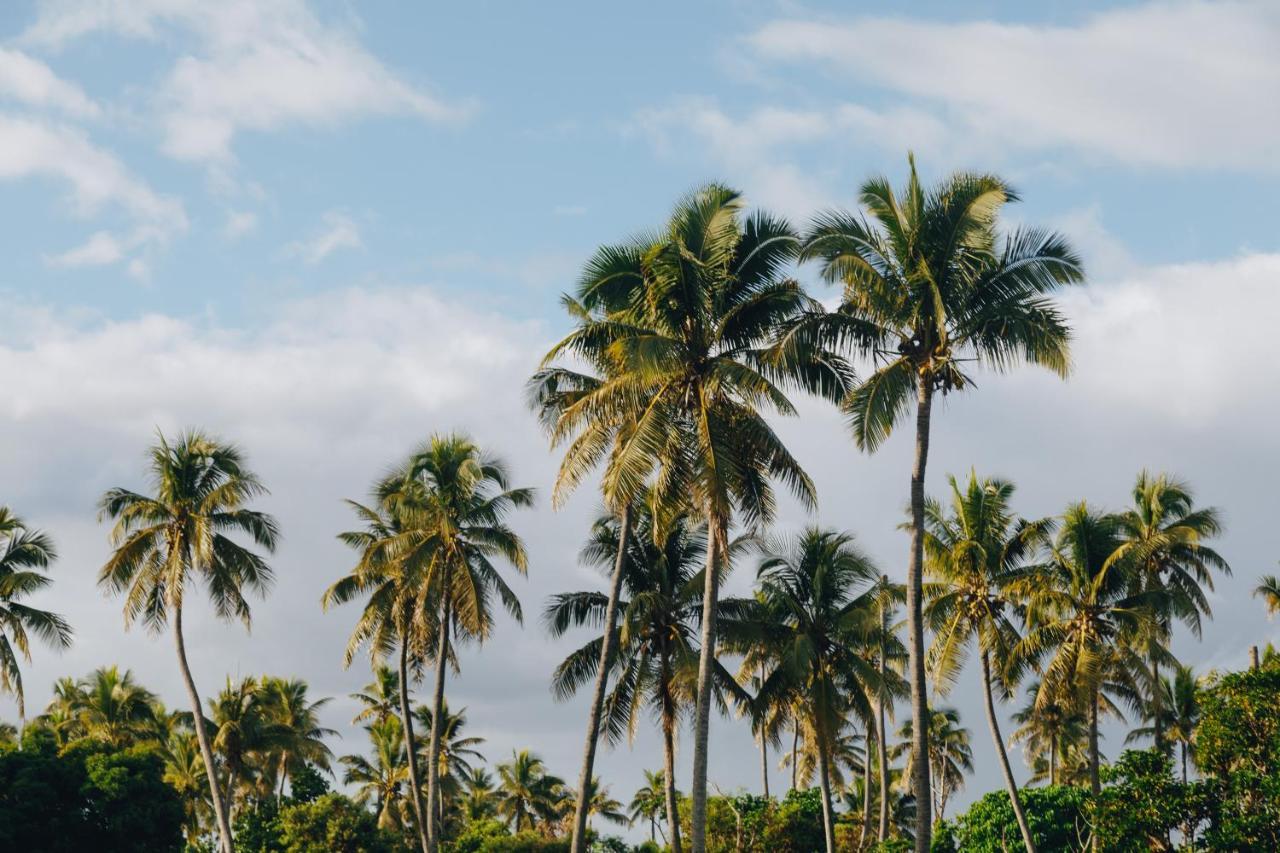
[
  {"x": 525, "y": 842},
  {"x": 333, "y": 824},
  {"x": 1142, "y": 804},
  {"x": 1057, "y": 815},
  {"x": 795, "y": 826}
]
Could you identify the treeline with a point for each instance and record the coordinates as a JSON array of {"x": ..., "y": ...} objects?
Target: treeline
[{"x": 685, "y": 343}]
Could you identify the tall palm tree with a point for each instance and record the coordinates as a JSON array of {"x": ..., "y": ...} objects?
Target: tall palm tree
[
  {"x": 378, "y": 779},
  {"x": 928, "y": 286},
  {"x": 950, "y": 756},
  {"x": 394, "y": 571},
  {"x": 460, "y": 499},
  {"x": 183, "y": 531},
  {"x": 691, "y": 332},
  {"x": 295, "y": 738},
  {"x": 649, "y": 802},
  {"x": 1082, "y": 616},
  {"x": 1165, "y": 543},
  {"x": 457, "y": 751},
  {"x": 114, "y": 708},
  {"x": 976, "y": 553},
  {"x": 25, "y": 555},
  {"x": 525, "y": 789},
  {"x": 660, "y": 609},
  {"x": 890, "y": 657},
  {"x": 812, "y": 612}
]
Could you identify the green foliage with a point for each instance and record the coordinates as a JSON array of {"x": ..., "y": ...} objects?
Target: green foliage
[
  {"x": 87, "y": 797},
  {"x": 257, "y": 828},
  {"x": 477, "y": 834},
  {"x": 333, "y": 824},
  {"x": 610, "y": 844},
  {"x": 795, "y": 826},
  {"x": 1238, "y": 749},
  {"x": 1142, "y": 802},
  {"x": 307, "y": 784},
  {"x": 892, "y": 845},
  {"x": 1056, "y": 815},
  {"x": 525, "y": 842}
]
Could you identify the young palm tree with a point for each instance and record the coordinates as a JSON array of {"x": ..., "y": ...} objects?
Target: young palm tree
[
  {"x": 950, "y": 756},
  {"x": 1268, "y": 589},
  {"x": 660, "y": 609},
  {"x": 113, "y": 708},
  {"x": 481, "y": 801},
  {"x": 239, "y": 737},
  {"x": 692, "y": 336},
  {"x": 890, "y": 658},
  {"x": 1049, "y": 726},
  {"x": 649, "y": 802},
  {"x": 394, "y": 572},
  {"x": 184, "y": 772},
  {"x": 1083, "y": 618},
  {"x": 525, "y": 790},
  {"x": 379, "y": 779},
  {"x": 929, "y": 285},
  {"x": 812, "y": 613},
  {"x": 1180, "y": 708},
  {"x": 295, "y": 738},
  {"x": 25, "y": 555},
  {"x": 379, "y": 697},
  {"x": 457, "y": 751},
  {"x": 1165, "y": 536},
  {"x": 459, "y": 498},
  {"x": 976, "y": 552},
  {"x": 601, "y": 805},
  {"x": 181, "y": 532}
]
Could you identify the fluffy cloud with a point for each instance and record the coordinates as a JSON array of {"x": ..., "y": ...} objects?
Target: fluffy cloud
[
  {"x": 338, "y": 232},
  {"x": 1166, "y": 84},
  {"x": 260, "y": 66},
  {"x": 30, "y": 81}
]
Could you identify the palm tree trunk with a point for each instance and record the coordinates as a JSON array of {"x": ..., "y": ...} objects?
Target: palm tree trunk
[
  {"x": 706, "y": 663},
  {"x": 866, "y": 790},
  {"x": 1095, "y": 781},
  {"x": 1184, "y": 763},
  {"x": 410, "y": 745},
  {"x": 915, "y": 620},
  {"x": 824, "y": 779},
  {"x": 669, "y": 756},
  {"x": 1053, "y": 760},
  {"x": 1157, "y": 724},
  {"x": 202, "y": 737},
  {"x": 795, "y": 748},
  {"x": 437, "y": 724},
  {"x": 882, "y": 745},
  {"x": 579, "y": 843},
  {"x": 1023, "y": 826}
]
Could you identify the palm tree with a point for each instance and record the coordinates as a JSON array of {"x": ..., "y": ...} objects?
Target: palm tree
[
  {"x": 460, "y": 499},
  {"x": 1049, "y": 726},
  {"x": 457, "y": 751},
  {"x": 812, "y": 615},
  {"x": 239, "y": 737},
  {"x": 184, "y": 772},
  {"x": 183, "y": 531},
  {"x": 113, "y": 708},
  {"x": 950, "y": 756},
  {"x": 525, "y": 789},
  {"x": 1082, "y": 617},
  {"x": 649, "y": 801},
  {"x": 689, "y": 330},
  {"x": 600, "y": 804},
  {"x": 928, "y": 286},
  {"x": 1268, "y": 589},
  {"x": 295, "y": 738},
  {"x": 379, "y": 697},
  {"x": 1165, "y": 536},
  {"x": 378, "y": 779},
  {"x": 660, "y": 609},
  {"x": 25, "y": 555},
  {"x": 62, "y": 715},
  {"x": 1179, "y": 707},
  {"x": 976, "y": 552},
  {"x": 394, "y": 571},
  {"x": 890, "y": 657}
]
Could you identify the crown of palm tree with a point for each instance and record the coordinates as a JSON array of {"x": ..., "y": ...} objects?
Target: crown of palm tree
[
  {"x": 378, "y": 780},
  {"x": 25, "y": 555},
  {"x": 113, "y": 707}
]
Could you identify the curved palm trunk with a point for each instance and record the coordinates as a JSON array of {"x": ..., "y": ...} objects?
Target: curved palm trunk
[
  {"x": 706, "y": 662},
  {"x": 824, "y": 779},
  {"x": 437, "y": 725},
  {"x": 202, "y": 737},
  {"x": 410, "y": 745},
  {"x": 882, "y": 745},
  {"x": 915, "y": 621},
  {"x": 866, "y": 791},
  {"x": 669, "y": 756},
  {"x": 1023, "y": 826},
  {"x": 580, "y": 812}
]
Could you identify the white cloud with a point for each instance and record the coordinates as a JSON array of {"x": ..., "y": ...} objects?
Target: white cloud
[
  {"x": 99, "y": 250},
  {"x": 239, "y": 223},
  {"x": 1170, "y": 84},
  {"x": 339, "y": 231},
  {"x": 261, "y": 66},
  {"x": 30, "y": 81}
]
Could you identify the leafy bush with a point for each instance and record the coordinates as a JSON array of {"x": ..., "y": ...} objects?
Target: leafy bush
[
  {"x": 525, "y": 842},
  {"x": 333, "y": 824},
  {"x": 795, "y": 826},
  {"x": 1142, "y": 803},
  {"x": 477, "y": 834},
  {"x": 1056, "y": 815}
]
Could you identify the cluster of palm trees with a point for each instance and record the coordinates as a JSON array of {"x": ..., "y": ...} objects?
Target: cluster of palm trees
[{"x": 686, "y": 341}]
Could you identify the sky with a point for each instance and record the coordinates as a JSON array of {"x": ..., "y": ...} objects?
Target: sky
[{"x": 326, "y": 230}]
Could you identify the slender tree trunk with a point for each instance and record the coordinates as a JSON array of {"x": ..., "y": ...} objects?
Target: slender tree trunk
[
  {"x": 437, "y": 725},
  {"x": 866, "y": 790},
  {"x": 1095, "y": 782},
  {"x": 411, "y": 745},
  {"x": 915, "y": 621},
  {"x": 1053, "y": 760},
  {"x": 1023, "y": 826},
  {"x": 1184, "y": 763},
  {"x": 202, "y": 737},
  {"x": 579, "y": 844},
  {"x": 706, "y": 664},
  {"x": 1157, "y": 724},
  {"x": 795, "y": 749},
  {"x": 882, "y": 745},
  {"x": 764, "y": 765},
  {"x": 669, "y": 756},
  {"x": 824, "y": 779}
]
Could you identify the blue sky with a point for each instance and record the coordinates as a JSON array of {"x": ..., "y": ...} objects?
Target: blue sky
[{"x": 327, "y": 229}]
